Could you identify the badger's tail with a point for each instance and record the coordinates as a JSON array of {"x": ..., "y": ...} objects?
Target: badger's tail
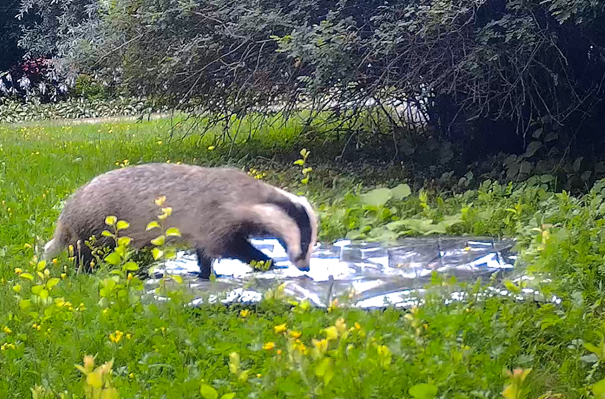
[{"x": 57, "y": 243}]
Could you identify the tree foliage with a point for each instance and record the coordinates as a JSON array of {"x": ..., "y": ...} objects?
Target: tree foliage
[{"x": 488, "y": 72}]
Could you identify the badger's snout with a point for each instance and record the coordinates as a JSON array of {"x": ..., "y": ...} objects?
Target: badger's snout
[{"x": 302, "y": 262}]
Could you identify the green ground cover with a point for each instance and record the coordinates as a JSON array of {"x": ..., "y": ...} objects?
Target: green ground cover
[{"x": 51, "y": 318}]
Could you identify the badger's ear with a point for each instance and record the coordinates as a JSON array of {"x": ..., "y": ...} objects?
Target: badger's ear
[{"x": 274, "y": 220}]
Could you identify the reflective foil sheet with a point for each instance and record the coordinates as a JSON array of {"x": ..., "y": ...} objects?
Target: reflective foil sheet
[{"x": 369, "y": 275}]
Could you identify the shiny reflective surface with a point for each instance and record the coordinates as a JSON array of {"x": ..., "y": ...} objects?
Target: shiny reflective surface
[{"x": 368, "y": 275}]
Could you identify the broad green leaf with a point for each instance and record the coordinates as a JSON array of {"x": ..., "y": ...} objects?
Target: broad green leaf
[
  {"x": 532, "y": 148},
  {"x": 41, "y": 265},
  {"x": 208, "y": 392},
  {"x": 377, "y": 197},
  {"x": 124, "y": 241},
  {"x": 27, "y": 276},
  {"x": 113, "y": 258},
  {"x": 299, "y": 162},
  {"x": 230, "y": 395},
  {"x": 36, "y": 289},
  {"x": 44, "y": 294},
  {"x": 401, "y": 191},
  {"x": 109, "y": 393},
  {"x": 25, "y": 303},
  {"x": 598, "y": 389},
  {"x": 173, "y": 231},
  {"x": 423, "y": 391},
  {"x": 106, "y": 233},
  {"x": 52, "y": 282},
  {"x": 325, "y": 369},
  {"x": 152, "y": 225},
  {"x": 94, "y": 379},
  {"x": 130, "y": 266},
  {"x": 122, "y": 225},
  {"x": 111, "y": 220},
  {"x": 177, "y": 278},
  {"x": 158, "y": 241},
  {"x": 157, "y": 253}
]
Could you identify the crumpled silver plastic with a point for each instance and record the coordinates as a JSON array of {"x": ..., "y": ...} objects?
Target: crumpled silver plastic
[{"x": 366, "y": 274}]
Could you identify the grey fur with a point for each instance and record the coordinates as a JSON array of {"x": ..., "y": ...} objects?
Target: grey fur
[{"x": 216, "y": 210}]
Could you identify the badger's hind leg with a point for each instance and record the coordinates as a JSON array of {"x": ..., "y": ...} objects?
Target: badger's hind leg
[{"x": 83, "y": 257}]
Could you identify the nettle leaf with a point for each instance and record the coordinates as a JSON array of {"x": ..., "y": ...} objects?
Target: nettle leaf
[
  {"x": 113, "y": 258},
  {"x": 208, "y": 392},
  {"x": 106, "y": 233},
  {"x": 401, "y": 191},
  {"x": 423, "y": 391},
  {"x": 27, "y": 276},
  {"x": 377, "y": 197},
  {"x": 111, "y": 220}
]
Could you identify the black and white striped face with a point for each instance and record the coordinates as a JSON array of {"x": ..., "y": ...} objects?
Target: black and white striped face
[{"x": 300, "y": 244}]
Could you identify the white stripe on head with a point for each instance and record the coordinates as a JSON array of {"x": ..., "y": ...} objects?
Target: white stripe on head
[{"x": 304, "y": 202}]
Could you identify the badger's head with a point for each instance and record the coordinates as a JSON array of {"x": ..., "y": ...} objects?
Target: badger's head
[{"x": 293, "y": 221}]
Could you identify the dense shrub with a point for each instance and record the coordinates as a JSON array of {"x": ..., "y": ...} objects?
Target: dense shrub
[{"x": 485, "y": 74}]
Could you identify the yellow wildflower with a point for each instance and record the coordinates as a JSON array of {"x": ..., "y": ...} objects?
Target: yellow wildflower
[
  {"x": 6, "y": 346},
  {"x": 280, "y": 328},
  {"x": 295, "y": 334},
  {"x": 268, "y": 346},
  {"x": 7, "y": 330},
  {"x": 244, "y": 313},
  {"x": 18, "y": 270},
  {"x": 116, "y": 336}
]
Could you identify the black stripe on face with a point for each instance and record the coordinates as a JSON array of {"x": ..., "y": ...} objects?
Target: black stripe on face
[{"x": 298, "y": 213}]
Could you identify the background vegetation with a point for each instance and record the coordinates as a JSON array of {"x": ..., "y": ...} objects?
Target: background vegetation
[{"x": 491, "y": 111}]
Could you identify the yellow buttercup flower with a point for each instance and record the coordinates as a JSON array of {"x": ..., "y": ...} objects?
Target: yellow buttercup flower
[
  {"x": 268, "y": 346},
  {"x": 280, "y": 328}
]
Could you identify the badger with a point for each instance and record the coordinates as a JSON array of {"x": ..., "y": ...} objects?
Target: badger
[{"x": 216, "y": 209}]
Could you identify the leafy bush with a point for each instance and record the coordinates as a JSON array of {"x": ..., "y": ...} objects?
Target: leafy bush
[{"x": 481, "y": 73}]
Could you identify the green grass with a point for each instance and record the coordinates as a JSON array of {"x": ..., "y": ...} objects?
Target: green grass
[{"x": 164, "y": 350}]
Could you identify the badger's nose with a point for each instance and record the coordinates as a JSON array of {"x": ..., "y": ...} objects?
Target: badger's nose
[{"x": 302, "y": 265}]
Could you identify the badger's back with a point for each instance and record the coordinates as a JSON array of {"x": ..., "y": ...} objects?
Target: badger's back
[{"x": 202, "y": 202}]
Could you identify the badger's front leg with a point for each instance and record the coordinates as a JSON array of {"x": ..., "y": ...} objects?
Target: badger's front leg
[
  {"x": 242, "y": 250},
  {"x": 205, "y": 263}
]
